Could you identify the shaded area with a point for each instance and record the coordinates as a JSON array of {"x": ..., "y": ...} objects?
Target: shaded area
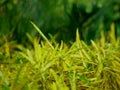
[{"x": 60, "y": 18}]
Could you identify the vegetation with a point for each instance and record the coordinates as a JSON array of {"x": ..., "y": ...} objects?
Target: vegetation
[
  {"x": 60, "y": 18},
  {"x": 48, "y": 65},
  {"x": 76, "y": 48}
]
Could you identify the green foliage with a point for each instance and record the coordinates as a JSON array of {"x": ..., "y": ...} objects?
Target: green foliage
[
  {"x": 61, "y": 67},
  {"x": 93, "y": 17},
  {"x": 60, "y": 18},
  {"x": 42, "y": 63}
]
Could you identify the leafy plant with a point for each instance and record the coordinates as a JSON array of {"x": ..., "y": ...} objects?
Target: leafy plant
[{"x": 58, "y": 66}]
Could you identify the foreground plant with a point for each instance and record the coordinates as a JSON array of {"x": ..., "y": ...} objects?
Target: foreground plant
[{"x": 59, "y": 67}]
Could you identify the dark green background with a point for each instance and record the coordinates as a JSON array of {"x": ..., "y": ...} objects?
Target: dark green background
[{"x": 60, "y": 18}]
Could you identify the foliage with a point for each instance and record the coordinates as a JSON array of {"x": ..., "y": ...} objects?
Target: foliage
[
  {"x": 60, "y": 18},
  {"x": 93, "y": 17},
  {"x": 53, "y": 66}
]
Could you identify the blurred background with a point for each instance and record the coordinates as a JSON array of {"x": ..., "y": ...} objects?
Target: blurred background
[{"x": 59, "y": 18}]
